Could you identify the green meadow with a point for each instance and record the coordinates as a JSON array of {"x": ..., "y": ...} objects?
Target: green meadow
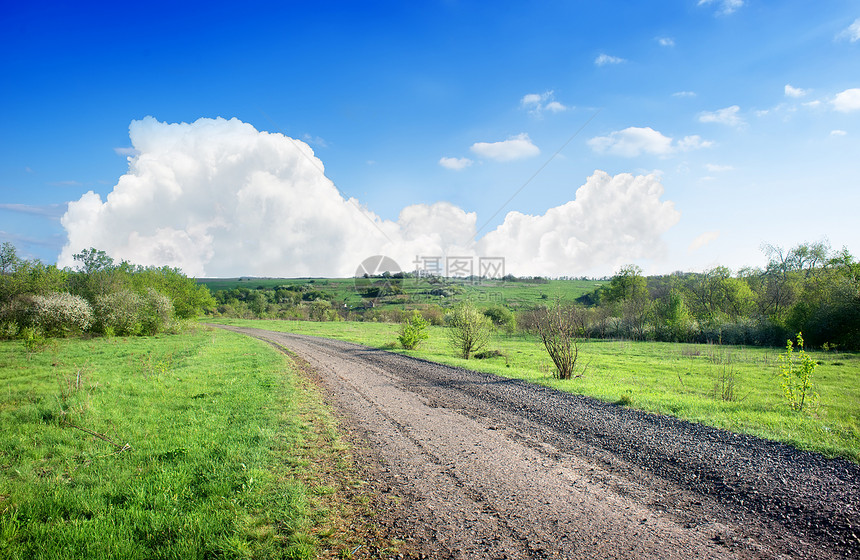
[
  {"x": 731, "y": 387},
  {"x": 206, "y": 444}
]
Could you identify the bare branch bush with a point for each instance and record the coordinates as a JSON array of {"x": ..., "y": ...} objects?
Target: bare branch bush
[{"x": 561, "y": 328}]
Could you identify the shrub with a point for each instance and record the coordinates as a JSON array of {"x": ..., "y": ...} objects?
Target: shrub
[
  {"x": 560, "y": 328},
  {"x": 796, "y": 374},
  {"x": 468, "y": 330},
  {"x": 158, "y": 312},
  {"x": 119, "y": 313},
  {"x": 413, "y": 331},
  {"x": 61, "y": 314}
]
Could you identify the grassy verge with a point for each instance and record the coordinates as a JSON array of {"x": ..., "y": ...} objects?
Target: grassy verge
[
  {"x": 735, "y": 388},
  {"x": 200, "y": 445}
]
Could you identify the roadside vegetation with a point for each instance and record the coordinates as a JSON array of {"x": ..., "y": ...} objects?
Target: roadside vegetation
[
  {"x": 98, "y": 297},
  {"x": 205, "y": 444},
  {"x": 733, "y": 387},
  {"x": 809, "y": 288}
]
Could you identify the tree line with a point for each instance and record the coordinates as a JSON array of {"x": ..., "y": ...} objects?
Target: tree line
[
  {"x": 808, "y": 288},
  {"x": 98, "y": 296}
]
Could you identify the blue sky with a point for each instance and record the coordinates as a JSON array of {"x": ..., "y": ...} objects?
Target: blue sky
[{"x": 745, "y": 112}]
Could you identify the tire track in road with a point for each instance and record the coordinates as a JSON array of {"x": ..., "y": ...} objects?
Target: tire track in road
[{"x": 495, "y": 468}]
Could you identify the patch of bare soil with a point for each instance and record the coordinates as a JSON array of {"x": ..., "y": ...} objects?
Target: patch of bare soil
[{"x": 470, "y": 465}]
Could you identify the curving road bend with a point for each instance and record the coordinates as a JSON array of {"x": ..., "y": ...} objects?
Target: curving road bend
[{"x": 488, "y": 467}]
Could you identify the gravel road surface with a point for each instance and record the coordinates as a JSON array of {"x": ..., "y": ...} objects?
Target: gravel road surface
[{"x": 486, "y": 467}]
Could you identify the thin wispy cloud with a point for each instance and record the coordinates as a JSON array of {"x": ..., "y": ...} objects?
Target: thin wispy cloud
[
  {"x": 791, "y": 91},
  {"x": 851, "y": 33},
  {"x": 684, "y": 94},
  {"x": 537, "y": 103},
  {"x": 838, "y": 132},
  {"x": 455, "y": 164},
  {"x": 635, "y": 141},
  {"x": 724, "y": 7},
  {"x": 603, "y": 59},
  {"x": 666, "y": 41},
  {"x": 315, "y": 141},
  {"x": 127, "y": 152},
  {"x": 727, "y": 116},
  {"x": 716, "y": 168},
  {"x": 703, "y": 240},
  {"x": 48, "y": 210}
]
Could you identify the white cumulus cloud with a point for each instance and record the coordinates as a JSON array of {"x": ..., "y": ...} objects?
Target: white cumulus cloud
[
  {"x": 634, "y": 141},
  {"x": 791, "y": 91},
  {"x": 603, "y": 59},
  {"x": 217, "y": 197},
  {"x": 515, "y": 147},
  {"x": 847, "y": 101},
  {"x": 728, "y": 116},
  {"x": 611, "y": 221},
  {"x": 838, "y": 132},
  {"x": 455, "y": 163}
]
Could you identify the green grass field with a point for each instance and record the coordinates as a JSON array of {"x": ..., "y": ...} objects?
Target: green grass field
[
  {"x": 515, "y": 295},
  {"x": 206, "y": 444},
  {"x": 682, "y": 380}
]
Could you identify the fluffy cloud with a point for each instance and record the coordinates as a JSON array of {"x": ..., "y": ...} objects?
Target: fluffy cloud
[
  {"x": 217, "y": 197},
  {"x": 455, "y": 163},
  {"x": 728, "y": 116},
  {"x": 515, "y": 147},
  {"x": 847, "y": 101},
  {"x": 536, "y": 103},
  {"x": 791, "y": 91},
  {"x": 612, "y": 220},
  {"x": 604, "y": 59},
  {"x": 634, "y": 141},
  {"x": 852, "y": 32}
]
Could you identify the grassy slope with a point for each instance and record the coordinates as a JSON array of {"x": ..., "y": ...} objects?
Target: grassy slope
[
  {"x": 676, "y": 379},
  {"x": 225, "y": 447},
  {"x": 513, "y": 294}
]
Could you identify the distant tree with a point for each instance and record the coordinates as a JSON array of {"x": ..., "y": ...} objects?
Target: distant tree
[{"x": 93, "y": 260}]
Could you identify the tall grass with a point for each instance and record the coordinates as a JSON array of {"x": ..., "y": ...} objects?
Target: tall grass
[{"x": 200, "y": 445}]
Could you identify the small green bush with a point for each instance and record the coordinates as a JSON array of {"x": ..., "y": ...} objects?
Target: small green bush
[
  {"x": 796, "y": 374},
  {"x": 413, "y": 331}
]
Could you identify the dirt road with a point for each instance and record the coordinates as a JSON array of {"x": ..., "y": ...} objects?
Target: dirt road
[{"x": 487, "y": 467}]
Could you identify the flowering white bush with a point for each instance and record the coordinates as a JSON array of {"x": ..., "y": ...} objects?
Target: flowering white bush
[
  {"x": 60, "y": 314},
  {"x": 119, "y": 313},
  {"x": 157, "y": 312}
]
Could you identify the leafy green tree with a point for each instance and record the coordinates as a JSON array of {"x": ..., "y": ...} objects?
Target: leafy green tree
[{"x": 468, "y": 329}]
